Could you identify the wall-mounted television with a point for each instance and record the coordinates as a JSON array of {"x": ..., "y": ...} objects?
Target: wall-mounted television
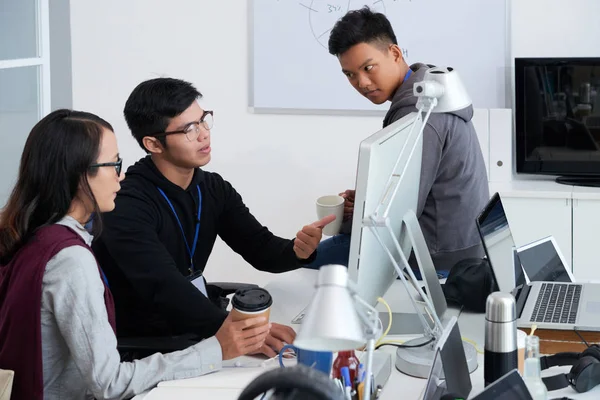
[{"x": 557, "y": 118}]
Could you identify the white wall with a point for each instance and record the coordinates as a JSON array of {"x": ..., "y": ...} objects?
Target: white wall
[
  {"x": 555, "y": 28},
  {"x": 279, "y": 163}
]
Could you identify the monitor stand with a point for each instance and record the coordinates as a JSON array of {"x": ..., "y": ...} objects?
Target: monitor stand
[
  {"x": 589, "y": 181},
  {"x": 402, "y": 323},
  {"x": 410, "y": 324}
]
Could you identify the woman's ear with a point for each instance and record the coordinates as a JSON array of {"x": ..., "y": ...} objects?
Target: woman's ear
[{"x": 153, "y": 145}]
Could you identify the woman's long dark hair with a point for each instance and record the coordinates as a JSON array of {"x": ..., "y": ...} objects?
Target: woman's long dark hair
[{"x": 55, "y": 164}]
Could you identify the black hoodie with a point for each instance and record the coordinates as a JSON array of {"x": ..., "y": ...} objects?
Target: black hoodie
[{"x": 143, "y": 253}]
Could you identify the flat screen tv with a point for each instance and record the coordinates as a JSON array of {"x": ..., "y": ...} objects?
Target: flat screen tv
[{"x": 557, "y": 118}]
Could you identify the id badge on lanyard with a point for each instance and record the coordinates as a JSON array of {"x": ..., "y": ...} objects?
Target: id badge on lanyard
[
  {"x": 198, "y": 281},
  {"x": 195, "y": 277}
]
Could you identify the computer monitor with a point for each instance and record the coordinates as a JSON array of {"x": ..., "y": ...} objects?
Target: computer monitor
[
  {"x": 369, "y": 265},
  {"x": 385, "y": 225},
  {"x": 398, "y": 147}
]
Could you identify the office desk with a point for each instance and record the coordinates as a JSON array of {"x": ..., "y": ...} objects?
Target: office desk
[{"x": 291, "y": 293}]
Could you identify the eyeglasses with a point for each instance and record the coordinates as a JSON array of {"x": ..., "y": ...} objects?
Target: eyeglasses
[
  {"x": 192, "y": 130},
  {"x": 117, "y": 164}
]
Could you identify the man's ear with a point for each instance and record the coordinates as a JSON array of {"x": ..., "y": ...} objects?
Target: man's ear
[
  {"x": 153, "y": 145},
  {"x": 396, "y": 52}
]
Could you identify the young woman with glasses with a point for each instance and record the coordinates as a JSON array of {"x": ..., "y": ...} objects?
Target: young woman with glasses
[{"x": 57, "y": 322}]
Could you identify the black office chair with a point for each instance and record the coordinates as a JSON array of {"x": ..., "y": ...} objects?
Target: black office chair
[
  {"x": 293, "y": 383},
  {"x": 132, "y": 348}
]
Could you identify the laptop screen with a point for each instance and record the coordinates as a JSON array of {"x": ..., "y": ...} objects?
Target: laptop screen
[
  {"x": 542, "y": 262},
  {"x": 499, "y": 245}
]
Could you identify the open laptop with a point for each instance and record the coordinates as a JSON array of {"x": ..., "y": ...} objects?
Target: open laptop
[
  {"x": 549, "y": 305},
  {"x": 542, "y": 260}
]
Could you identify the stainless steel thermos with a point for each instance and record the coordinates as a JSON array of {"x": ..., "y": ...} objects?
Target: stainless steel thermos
[{"x": 500, "y": 354}]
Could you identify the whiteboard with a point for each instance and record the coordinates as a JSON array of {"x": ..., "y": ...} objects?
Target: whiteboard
[{"x": 291, "y": 69}]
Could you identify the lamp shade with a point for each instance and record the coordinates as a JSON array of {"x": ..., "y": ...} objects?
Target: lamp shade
[
  {"x": 331, "y": 322},
  {"x": 454, "y": 96}
]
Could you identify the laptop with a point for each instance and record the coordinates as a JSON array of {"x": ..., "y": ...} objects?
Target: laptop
[
  {"x": 542, "y": 260},
  {"x": 546, "y": 304}
]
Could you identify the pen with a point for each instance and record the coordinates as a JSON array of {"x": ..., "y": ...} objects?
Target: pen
[
  {"x": 360, "y": 372},
  {"x": 361, "y": 390},
  {"x": 345, "y": 372}
]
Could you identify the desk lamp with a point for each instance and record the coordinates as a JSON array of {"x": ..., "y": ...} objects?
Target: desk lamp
[
  {"x": 338, "y": 319},
  {"x": 440, "y": 91}
]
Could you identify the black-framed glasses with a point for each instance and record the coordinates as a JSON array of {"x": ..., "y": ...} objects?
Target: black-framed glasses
[
  {"x": 192, "y": 130},
  {"x": 118, "y": 165}
]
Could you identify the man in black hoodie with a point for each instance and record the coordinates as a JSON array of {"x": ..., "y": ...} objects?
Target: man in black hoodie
[
  {"x": 454, "y": 186},
  {"x": 155, "y": 244}
]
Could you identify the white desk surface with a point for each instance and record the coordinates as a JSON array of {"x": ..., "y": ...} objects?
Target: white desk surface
[{"x": 291, "y": 293}]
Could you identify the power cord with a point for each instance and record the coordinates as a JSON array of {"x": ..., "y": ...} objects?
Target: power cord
[
  {"x": 404, "y": 346},
  {"x": 389, "y": 326},
  {"x": 398, "y": 343},
  {"x": 582, "y": 339}
]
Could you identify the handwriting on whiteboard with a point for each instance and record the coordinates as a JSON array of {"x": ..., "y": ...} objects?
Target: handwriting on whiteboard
[{"x": 322, "y": 15}]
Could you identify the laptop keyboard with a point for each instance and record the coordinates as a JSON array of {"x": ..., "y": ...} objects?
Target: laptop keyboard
[{"x": 557, "y": 303}]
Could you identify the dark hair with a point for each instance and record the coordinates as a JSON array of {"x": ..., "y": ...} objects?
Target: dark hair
[
  {"x": 55, "y": 164},
  {"x": 360, "y": 26},
  {"x": 152, "y": 105}
]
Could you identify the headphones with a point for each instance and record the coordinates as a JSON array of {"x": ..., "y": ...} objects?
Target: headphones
[
  {"x": 584, "y": 375},
  {"x": 294, "y": 383}
]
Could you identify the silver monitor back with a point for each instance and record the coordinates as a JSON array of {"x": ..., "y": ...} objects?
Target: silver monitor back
[{"x": 369, "y": 265}]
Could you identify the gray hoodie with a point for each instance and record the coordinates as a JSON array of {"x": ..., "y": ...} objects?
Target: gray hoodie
[{"x": 454, "y": 184}]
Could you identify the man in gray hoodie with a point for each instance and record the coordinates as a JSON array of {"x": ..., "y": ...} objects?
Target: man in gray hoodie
[{"x": 454, "y": 185}]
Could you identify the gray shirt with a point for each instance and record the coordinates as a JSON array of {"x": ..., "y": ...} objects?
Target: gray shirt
[
  {"x": 79, "y": 348},
  {"x": 454, "y": 185}
]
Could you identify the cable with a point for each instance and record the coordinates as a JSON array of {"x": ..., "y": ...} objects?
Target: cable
[
  {"x": 473, "y": 343},
  {"x": 403, "y": 346},
  {"x": 582, "y": 339},
  {"x": 387, "y": 330}
]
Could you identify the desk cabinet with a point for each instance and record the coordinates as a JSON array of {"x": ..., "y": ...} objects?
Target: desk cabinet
[
  {"x": 537, "y": 209},
  {"x": 586, "y": 223}
]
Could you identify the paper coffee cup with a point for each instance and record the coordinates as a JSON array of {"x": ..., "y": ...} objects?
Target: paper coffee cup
[
  {"x": 250, "y": 303},
  {"x": 521, "y": 350},
  {"x": 328, "y": 205}
]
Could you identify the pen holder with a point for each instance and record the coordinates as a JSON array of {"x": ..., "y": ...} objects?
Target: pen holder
[{"x": 320, "y": 360}]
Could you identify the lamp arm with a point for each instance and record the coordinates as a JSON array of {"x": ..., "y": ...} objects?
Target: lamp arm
[
  {"x": 378, "y": 218},
  {"x": 438, "y": 327},
  {"x": 393, "y": 176},
  {"x": 369, "y": 368},
  {"x": 369, "y": 317},
  {"x": 426, "y": 104}
]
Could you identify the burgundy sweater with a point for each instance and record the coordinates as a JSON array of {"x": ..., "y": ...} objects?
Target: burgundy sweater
[{"x": 20, "y": 307}]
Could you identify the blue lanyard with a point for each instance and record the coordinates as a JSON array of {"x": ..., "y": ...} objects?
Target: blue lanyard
[
  {"x": 407, "y": 75},
  {"x": 191, "y": 250}
]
